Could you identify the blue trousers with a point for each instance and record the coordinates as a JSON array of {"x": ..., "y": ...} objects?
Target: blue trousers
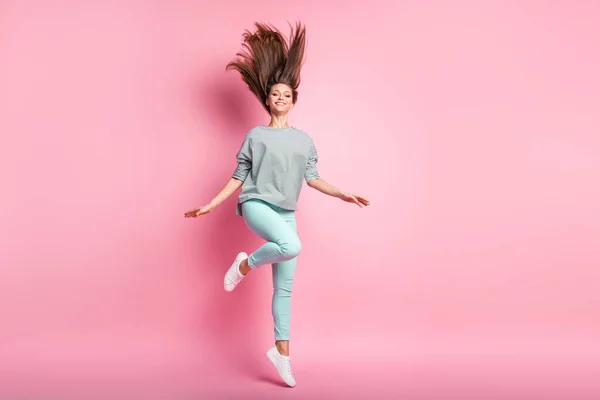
[{"x": 278, "y": 227}]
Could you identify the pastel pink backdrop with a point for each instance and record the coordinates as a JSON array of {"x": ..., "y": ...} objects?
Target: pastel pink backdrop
[{"x": 471, "y": 126}]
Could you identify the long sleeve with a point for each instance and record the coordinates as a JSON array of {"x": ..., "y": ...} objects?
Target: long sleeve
[
  {"x": 244, "y": 159},
  {"x": 311, "y": 172}
]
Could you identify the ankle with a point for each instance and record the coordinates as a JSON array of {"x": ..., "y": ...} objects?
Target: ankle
[
  {"x": 244, "y": 267},
  {"x": 283, "y": 348}
]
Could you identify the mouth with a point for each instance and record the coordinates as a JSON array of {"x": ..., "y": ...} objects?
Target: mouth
[{"x": 279, "y": 103}]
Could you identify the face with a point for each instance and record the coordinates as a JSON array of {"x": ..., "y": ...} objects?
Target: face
[{"x": 280, "y": 99}]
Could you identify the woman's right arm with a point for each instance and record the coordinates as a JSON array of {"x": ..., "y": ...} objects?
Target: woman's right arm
[
  {"x": 230, "y": 187},
  {"x": 244, "y": 159}
]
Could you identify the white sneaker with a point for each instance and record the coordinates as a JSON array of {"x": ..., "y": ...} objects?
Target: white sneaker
[
  {"x": 233, "y": 275},
  {"x": 283, "y": 365}
]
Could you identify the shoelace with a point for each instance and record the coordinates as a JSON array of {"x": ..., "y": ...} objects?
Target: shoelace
[{"x": 288, "y": 365}]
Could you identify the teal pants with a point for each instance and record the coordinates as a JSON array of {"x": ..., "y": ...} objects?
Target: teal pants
[{"x": 278, "y": 227}]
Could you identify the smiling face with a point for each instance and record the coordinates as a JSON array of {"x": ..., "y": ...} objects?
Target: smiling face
[{"x": 280, "y": 99}]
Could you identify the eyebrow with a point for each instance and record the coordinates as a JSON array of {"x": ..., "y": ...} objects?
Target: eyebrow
[{"x": 287, "y": 91}]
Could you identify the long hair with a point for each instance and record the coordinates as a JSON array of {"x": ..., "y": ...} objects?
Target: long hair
[{"x": 267, "y": 58}]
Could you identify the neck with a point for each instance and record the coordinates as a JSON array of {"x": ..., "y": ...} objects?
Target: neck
[{"x": 278, "y": 121}]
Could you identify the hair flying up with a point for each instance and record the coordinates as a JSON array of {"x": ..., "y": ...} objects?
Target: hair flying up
[{"x": 267, "y": 58}]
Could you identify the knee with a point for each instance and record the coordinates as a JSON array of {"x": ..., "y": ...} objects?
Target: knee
[
  {"x": 283, "y": 288},
  {"x": 282, "y": 291},
  {"x": 291, "y": 247}
]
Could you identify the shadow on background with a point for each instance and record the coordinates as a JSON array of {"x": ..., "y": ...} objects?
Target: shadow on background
[{"x": 229, "y": 320}]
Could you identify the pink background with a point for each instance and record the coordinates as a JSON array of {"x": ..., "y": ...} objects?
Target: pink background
[{"x": 471, "y": 126}]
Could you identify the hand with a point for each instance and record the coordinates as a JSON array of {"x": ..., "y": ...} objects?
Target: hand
[
  {"x": 199, "y": 211},
  {"x": 354, "y": 198}
]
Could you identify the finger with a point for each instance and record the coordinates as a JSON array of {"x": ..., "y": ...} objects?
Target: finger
[
  {"x": 363, "y": 200},
  {"x": 356, "y": 201}
]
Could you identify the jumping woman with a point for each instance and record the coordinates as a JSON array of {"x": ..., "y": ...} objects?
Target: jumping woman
[{"x": 272, "y": 162}]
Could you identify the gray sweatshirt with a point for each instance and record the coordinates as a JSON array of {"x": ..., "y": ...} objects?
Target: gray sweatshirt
[{"x": 272, "y": 162}]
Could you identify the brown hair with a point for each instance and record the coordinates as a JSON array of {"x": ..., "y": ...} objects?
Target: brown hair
[{"x": 267, "y": 58}]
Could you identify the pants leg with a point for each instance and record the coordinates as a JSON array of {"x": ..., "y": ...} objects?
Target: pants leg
[
  {"x": 283, "y": 279},
  {"x": 278, "y": 227}
]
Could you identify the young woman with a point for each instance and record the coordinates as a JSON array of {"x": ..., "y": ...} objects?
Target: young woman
[{"x": 272, "y": 163}]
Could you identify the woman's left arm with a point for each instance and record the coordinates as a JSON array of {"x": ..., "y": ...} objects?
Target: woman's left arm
[{"x": 331, "y": 190}]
